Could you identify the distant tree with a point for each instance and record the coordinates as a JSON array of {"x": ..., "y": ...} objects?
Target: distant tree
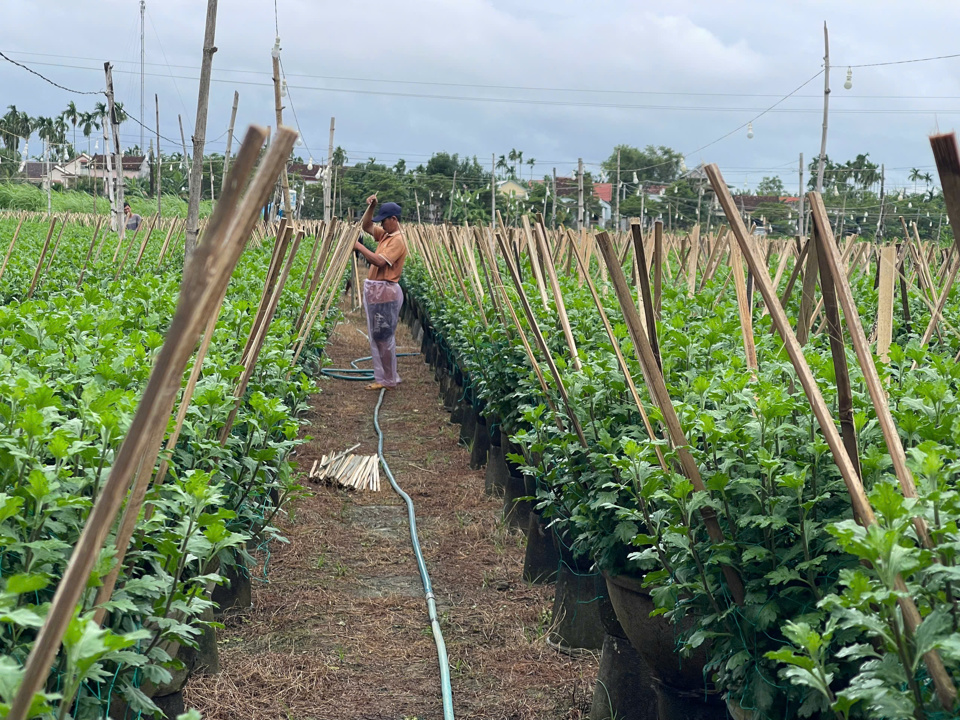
[
  {"x": 652, "y": 164},
  {"x": 74, "y": 116},
  {"x": 16, "y": 126},
  {"x": 771, "y": 186}
]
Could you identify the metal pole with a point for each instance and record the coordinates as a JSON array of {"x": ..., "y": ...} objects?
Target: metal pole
[{"x": 826, "y": 107}]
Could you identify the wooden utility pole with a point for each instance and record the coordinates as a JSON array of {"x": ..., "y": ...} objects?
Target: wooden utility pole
[
  {"x": 579, "y": 193},
  {"x": 328, "y": 177},
  {"x": 115, "y": 128},
  {"x": 200, "y": 132},
  {"x": 826, "y": 107},
  {"x": 453, "y": 189},
  {"x": 553, "y": 204},
  {"x": 284, "y": 180},
  {"x": 800, "y": 192},
  {"x": 617, "y": 212},
  {"x": 226, "y": 156},
  {"x": 156, "y": 99},
  {"x": 493, "y": 192}
]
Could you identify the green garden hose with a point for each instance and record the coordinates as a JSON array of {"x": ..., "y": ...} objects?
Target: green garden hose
[{"x": 356, "y": 373}]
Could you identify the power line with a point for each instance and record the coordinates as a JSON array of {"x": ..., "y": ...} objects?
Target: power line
[
  {"x": 905, "y": 62},
  {"x": 527, "y": 88},
  {"x": 43, "y": 77}
]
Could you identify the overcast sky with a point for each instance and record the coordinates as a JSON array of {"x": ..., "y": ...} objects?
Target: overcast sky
[{"x": 561, "y": 79}]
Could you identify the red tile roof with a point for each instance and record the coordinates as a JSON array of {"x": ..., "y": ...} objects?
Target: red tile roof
[{"x": 604, "y": 191}]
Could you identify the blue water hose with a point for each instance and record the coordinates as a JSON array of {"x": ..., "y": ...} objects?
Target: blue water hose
[{"x": 356, "y": 373}]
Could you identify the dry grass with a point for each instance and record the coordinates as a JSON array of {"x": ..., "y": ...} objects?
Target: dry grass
[{"x": 341, "y": 629}]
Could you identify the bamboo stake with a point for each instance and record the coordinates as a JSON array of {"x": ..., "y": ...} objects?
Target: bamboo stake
[
  {"x": 166, "y": 242},
  {"x": 146, "y": 240},
  {"x": 56, "y": 245},
  {"x": 210, "y": 271},
  {"x": 43, "y": 254},
  {"x": 861, "y": 505},
  {"x": 93, "y": 241},
  {"x": 16, "y": 234},
  {"x": 745, "y": 310},
  {"x": 661, "y": 397},
  {"x": 551, "y": 272}
]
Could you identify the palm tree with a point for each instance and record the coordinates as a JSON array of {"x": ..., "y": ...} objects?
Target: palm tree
[
  {"x": 74, "y": 116},
  {"x": 16, "y": 125},
  {"x": 519, "y": 161},
  {"x": 915, "y": 175},
  {"x": 531, "y": 162},
  {"x": 502, "y": 164},
  {"x": 60, "y": 128},
  {"x": 927, "y": 179},
  {"x": 88, "y": 123}
]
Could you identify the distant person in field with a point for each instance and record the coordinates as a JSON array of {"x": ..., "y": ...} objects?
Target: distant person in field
[
  {"x": 132, "y": 220},
  {"x": 382, "y": 296}
]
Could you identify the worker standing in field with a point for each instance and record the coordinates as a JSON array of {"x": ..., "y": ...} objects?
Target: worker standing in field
[
  {"x": 382, "y": 296},
  {"x": 132, "y": 220}
]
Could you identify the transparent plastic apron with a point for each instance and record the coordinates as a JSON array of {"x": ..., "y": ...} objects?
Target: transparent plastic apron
[{"x": 383, "y": 300}]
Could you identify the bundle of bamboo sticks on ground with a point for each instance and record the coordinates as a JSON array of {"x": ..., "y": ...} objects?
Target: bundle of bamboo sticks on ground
[{"x": 354, "y": 472}]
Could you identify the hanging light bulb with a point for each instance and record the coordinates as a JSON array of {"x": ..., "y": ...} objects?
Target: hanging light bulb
[
  {"x": 749, "y": 131},
  {"x": 928, "y": 213},
  {"x": 900, "y": 196},
  {"x": 310, "y": 163},
  {"x": 910, "y": 204},
  {"x": 283, "y": 88},
  {"x": 275, "y": 52},
  {"x": 848, "y": 83},
  {"x": 299, "y": 142},
  {"x": 835, "y": 191},
  {"x": 930, "y": 224}
]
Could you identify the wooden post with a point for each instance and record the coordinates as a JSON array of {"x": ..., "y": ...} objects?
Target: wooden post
[
  {"x": 826, "y": 106},
  {"x": 115, "y": 128},
  {"x": 278, "y": 107},
  {"x": 226, "y": 155},
  {"x": 657, "y": 266},
  {"x": 156, "y": 99},
  {"x": 649, "y": 311},
  {"x": 200, "y": 132},
  {"x": 580, "y": 193},
  {"x": 808, "y": 292},
  {"x": 328, "y": 179},
  {"x": 888, "y": 274}
]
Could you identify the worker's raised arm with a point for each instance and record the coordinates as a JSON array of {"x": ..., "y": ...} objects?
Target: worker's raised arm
[{"x": 366, "y": 222}]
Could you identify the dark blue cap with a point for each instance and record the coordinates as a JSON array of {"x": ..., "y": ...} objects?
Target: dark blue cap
[{"x": 387, "y": 210}]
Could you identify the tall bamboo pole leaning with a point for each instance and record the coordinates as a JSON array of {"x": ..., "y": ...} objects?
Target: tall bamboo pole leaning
[
  {"x": 200, "y": 132},
  {"x": 13, "y": 241},
  {"x": 43, "y": 254},
  {"x": 657, "y": 387},
  {"x": 204, "y": 280},
  {"x": 946, "y": 692}
]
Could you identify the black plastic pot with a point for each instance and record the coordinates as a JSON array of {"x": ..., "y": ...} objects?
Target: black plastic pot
[
  {"x": 682, "y": 691},
  {"x": 576, "y": 610},
  {"x": 468, "y": 424},
  {"x": 540, "y": 560},
  {"x": 625, "y": 688},
  {"x": 516, "y": 512},
  {"x": 480, "y": 447},
  {"x": 497, "y": 472},
  {"x": 237, "y": 592}
]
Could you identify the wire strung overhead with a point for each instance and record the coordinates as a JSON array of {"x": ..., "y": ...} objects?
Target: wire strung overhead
[{"x": 43, "y": 77}]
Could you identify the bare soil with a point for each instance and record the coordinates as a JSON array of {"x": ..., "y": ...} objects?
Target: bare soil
[{"x": 340, "y": 629}]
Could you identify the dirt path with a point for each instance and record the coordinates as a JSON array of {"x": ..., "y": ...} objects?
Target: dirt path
[{"x": 340, "y": 631}]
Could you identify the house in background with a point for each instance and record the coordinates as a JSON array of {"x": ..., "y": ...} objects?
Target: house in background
[
  {"x": 134, "y": 167},
  {"x": 514, "y": 189},
  {"x": 300, "y": 173},
  {"x": 35, "y": 171}
]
